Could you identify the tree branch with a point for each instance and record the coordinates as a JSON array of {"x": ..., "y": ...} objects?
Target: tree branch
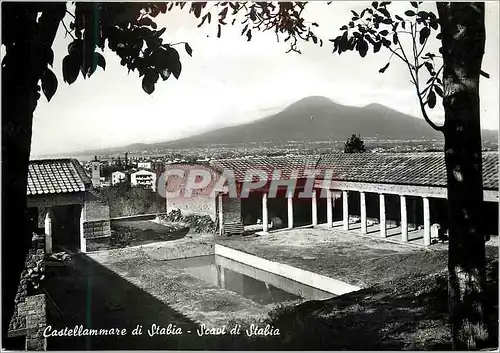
[
  {"x": 67, "y": 31},
  {"x": 426, "y": 117},
  {"x": 69, "y": 13}
]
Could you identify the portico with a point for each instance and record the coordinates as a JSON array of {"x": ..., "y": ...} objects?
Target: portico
[{"x": 390, "y": 196}]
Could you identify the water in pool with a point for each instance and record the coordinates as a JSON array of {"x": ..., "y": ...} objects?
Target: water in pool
[{"x": 259, "y": 286}]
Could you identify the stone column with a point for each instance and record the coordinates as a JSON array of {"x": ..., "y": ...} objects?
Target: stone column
[
  {"x": 221, "y": 214},
  {"x": 314, "y": 208},
  {"x": 363, "y": 212},
  {"x": 404, "y": 219},
  {"x": 290, "y": 209},
  {"x": 383, "y": 227},
  {"x": 48, "y": 232},
  {"x": 427, "y": 222},
  {"x": 265, "y": 217},
  {"x": 329, "y": 210},
  {"x": 345, "y": 210},
  {"x": 83, "y": 241}
]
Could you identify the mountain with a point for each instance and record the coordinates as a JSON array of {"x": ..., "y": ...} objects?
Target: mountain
[
  {"x": 315, "y": 119},
  {"x": 318, "y": 119}
]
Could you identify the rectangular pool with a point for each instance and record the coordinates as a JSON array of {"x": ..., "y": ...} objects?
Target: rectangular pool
[{"x": 257, "y": 285}]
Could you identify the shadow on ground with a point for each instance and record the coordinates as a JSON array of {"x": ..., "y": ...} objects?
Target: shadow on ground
[{"x": 406, "y": 313}]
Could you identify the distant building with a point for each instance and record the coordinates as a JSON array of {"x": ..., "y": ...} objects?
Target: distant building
[
  {"x": 96, "y": 172},
  {"x": 144, "y": 165},
  {"x": 144, "y": 178},
  {"x": 118, "y": 177}
]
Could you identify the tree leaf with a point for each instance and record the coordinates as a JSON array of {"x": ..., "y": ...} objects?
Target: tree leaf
[
  {"x": 414, "y": 4},
  {"x": 384, "y": 12},
  {"x": 188, "y": 49},
  {"x": 249, "y": 35},
  {"x": 100, "y": 61},
  {"x": 49, "y": 84},
  {"x": 382, "y": 70},
  {"x": 410, "y": 13},
  {"x": 165, "y": 74},
  {"x": 218, "y": 30},
  {"x": 148, "y": 83},
  {"x": 173, "y": 62},
  {"x": 439, "y": 91},
  {"x": 362, "y": 47},
  {"x": 429, "y": 67},
  {"x": 423, "y": 14},
  {"x": 223, "y": 13},
  {"x": 431, "y": 100},
  {"x": 71, "y": 68},
  {"x": 424, "y": 34}
]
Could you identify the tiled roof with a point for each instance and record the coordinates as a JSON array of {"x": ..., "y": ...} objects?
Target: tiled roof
[
  {"x": 426, "y": 169},
  {"x": 243, "y": 167},
  {"x": 54, "y": 176}
]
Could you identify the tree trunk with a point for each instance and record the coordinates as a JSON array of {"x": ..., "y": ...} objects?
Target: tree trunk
[
  {"x": 26, "y": 39},
  {"x": 463, "y": 31}
]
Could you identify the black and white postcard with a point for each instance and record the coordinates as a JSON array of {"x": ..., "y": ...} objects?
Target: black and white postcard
[{"x": 250, "y": 175}]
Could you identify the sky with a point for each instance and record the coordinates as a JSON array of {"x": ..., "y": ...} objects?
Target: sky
[{"x": 230, "y": 81}]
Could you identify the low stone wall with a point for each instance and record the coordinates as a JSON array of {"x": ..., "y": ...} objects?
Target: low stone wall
[{"x": 97, "y": 233}]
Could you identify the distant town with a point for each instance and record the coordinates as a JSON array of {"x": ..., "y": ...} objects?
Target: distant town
[{"x": 142, "y": 166}]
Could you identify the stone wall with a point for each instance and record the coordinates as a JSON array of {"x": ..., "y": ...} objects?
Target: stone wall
[
  {"x": 231, "y": 208},
  {"x": 97, "y": 234},
  {"x": 30, "y": 316},
  {"x": 97, "y": 225},
  {"x": 34, "y": 310}
]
